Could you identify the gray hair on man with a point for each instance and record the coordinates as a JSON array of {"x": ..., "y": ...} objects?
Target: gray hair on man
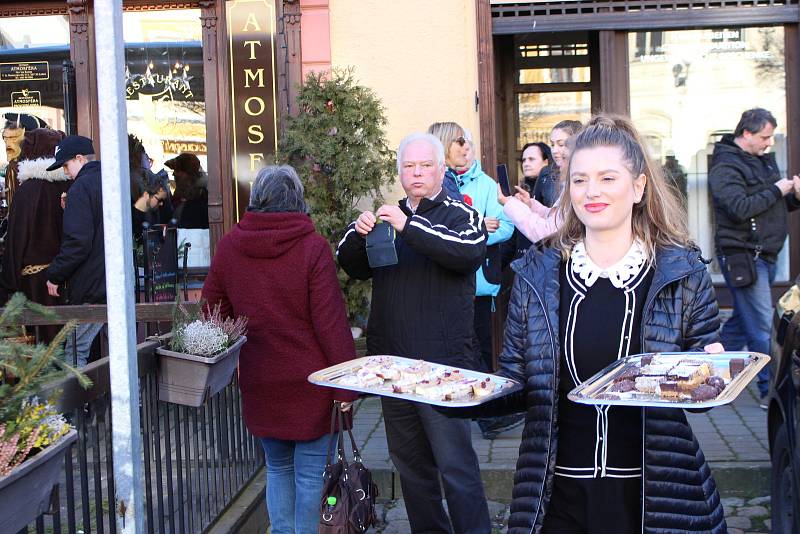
[
  {"x": 277, "y": 188},
  {"x": 432, "y": 140}
]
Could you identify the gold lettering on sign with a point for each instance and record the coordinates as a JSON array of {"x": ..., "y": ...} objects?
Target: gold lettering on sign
[
  {"x": 252, "y": 45},
  {"x": 251, "y": 20},
  {"x": 250, "y": 75},
  {"x": 255, "y": 157},
  {"x": 256, "y": 130},
  {"x": 251, "y": 49}
]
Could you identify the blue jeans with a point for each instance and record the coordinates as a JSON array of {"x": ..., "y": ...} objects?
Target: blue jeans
[
  {"x": 294, "y": 483},
  {"x": 78, "y": 354},
  {"x": 751, "y": 322}
]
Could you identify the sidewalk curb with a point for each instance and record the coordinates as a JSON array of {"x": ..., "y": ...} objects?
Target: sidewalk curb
[{"x": 734, "y": 479}]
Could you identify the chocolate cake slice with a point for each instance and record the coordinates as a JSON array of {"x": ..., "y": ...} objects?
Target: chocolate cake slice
[{"x": 704, "y": 392}]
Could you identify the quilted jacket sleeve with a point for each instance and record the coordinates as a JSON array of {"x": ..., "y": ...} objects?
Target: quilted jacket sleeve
[{"x": 701, "y": 321}]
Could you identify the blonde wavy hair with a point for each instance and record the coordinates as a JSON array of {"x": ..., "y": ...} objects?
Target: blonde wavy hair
[
  {"x": 447, "y": 132},
  {"x": 659, "y": 218}
]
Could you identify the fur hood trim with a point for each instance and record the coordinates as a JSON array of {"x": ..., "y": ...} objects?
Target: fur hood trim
[{"x": 37, "y": 168}]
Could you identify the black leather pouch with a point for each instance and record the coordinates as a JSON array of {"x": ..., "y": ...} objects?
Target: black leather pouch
[
  {"x": 380, "y": 246},
  {"x": 741, "y": 267}
]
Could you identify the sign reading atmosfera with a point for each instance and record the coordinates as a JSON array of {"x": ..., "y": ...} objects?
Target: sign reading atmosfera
[{"x": 251, "y": 33}]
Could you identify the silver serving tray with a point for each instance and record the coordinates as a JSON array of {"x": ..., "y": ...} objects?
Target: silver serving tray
[
  {"x": 587, "y": 392},
  {"x": 327, "y": 377}
]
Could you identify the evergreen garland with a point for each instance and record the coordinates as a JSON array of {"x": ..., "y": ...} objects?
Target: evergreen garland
[{"x": 338, "y": 146}]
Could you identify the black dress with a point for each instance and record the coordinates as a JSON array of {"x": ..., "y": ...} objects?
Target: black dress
[{"x": 597, "y": 487}]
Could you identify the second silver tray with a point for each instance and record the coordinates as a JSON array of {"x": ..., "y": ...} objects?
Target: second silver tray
[{"x": 591, "y": 389}]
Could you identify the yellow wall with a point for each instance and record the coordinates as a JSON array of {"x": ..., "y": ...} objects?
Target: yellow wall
[{"x": 419, "y": 56}]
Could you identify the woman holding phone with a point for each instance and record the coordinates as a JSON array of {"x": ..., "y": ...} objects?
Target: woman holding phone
[{"x": 621, "y": 277}]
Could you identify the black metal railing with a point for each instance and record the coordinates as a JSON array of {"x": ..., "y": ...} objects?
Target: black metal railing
[{"x": 196, "y": 460}]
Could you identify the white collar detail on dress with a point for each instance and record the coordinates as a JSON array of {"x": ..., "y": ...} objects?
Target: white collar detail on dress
[{"x": 618, "y": 274}]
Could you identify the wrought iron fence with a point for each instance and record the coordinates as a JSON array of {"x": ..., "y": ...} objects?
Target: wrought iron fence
[{"x": 196, "y": 460}]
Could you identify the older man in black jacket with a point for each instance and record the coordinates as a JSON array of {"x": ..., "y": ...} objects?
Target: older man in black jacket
[
  {"x": 81, "y": 260},
  {"x": 422, "y": 307},
  {"x": 751, "y": 204}
]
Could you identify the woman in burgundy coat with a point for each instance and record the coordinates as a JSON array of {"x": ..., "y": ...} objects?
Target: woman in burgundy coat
[{"x": 275, "y": 269}]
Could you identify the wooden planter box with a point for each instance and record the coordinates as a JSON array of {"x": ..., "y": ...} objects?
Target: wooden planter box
[
  {"x": 191, "y": 380},
  {"x": 25, "y": 492}
]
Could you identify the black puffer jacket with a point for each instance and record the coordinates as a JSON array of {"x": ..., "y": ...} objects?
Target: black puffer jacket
[
  {"x": 680, "y": 313},
  {"x": 81, "y": 260},
  {"x": 743, "y": 187}
]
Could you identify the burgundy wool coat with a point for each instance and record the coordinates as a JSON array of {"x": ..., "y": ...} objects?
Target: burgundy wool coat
[{"x": 276, "y": 270}]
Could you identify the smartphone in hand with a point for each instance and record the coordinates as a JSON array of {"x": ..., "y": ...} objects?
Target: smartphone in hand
[{"x": 502, "y": 178}]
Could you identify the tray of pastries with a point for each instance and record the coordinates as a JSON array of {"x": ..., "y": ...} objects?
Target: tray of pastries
[
  {"x": 415, "y": 380},
  {"x": 672, "y": 379}
]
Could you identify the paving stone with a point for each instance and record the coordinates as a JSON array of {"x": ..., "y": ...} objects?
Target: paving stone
[
  {"x": 739, "y": 522},
  {"x": 735, "y": 531},
  {"x": 397, "y": 527},
  {"x": 752, "y": 511},
  {"x": 397, "y": 512},
  {"x": 759, "y": 501},
  {"x": 732, "y": 501},
  {"x": 496, "y": 508}
]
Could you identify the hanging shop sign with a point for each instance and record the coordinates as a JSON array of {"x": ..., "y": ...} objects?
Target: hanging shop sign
[
  {"x": 25, "y": 71},
  {"x": 251, "y": 49},
  {"x": 177, "y": 147},
  {"x": 26, "y": 98}
]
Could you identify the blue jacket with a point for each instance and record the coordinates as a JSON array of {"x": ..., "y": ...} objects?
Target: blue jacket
[
  {"x": 680, "y": 314},
  {"x": 482, "y": 190}
]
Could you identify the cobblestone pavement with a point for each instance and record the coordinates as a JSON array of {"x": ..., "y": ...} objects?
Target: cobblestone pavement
[{"x": 743, "y": 516}]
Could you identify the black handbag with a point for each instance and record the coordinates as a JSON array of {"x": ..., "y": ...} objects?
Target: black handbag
[
  {"x": 348, "y": 491},
  {"x": 741, "y": 267}
]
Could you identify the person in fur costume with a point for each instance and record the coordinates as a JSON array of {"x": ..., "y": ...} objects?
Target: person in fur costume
[
  {"x": 35, "y": 220},
  {"x": 17, "y": 125}
]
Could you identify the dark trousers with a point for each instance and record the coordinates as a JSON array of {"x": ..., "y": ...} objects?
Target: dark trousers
[
  {"x": 423, "y": 445},
  {"x": 483, "y": 331},
  {"x": 594, "y": 506}
]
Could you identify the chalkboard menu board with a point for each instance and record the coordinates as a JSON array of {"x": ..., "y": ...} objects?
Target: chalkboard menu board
[{"x": 161, "y": 263}]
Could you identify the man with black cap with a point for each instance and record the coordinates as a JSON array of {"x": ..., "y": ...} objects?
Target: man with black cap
[{"x": 80, "y": 264}]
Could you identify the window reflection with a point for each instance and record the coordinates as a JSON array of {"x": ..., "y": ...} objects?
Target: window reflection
[
  {"x": 690, "y": 90},
  {"x": 538, "y": 112},
  {"x": 32, "y": 53},
  {"x": 166, "y": 111}
]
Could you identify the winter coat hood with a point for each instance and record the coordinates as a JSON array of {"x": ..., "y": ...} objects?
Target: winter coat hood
[
  {"x": 37, "y": 168},
  {"x": 269, "y": 235}
]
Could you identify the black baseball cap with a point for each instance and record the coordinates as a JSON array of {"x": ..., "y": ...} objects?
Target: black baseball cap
[{"x": 69, "y": 147}]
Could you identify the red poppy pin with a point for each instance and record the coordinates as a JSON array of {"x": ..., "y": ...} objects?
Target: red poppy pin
[{"x": 467, "y": 200}]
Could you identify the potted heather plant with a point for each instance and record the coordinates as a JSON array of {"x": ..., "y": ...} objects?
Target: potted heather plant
[
  {"x": 34, "y": 437},
  {"x": 201, "y": 355}
]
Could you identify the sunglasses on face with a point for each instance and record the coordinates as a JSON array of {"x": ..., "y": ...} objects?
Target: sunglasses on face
[{"x": 460, "y": 140}]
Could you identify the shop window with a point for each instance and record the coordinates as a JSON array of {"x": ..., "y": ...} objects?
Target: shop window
[
  {"x": 166, "y": 110},
  {"x": 538, "y": 112},
  {"x": 554, "y": 75},
  {"x": 648, "y": 44},
  {"x": 553, "y": 49},
  {"x": 695, "y": 94},
  {"x": 32, "y": 54}
]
